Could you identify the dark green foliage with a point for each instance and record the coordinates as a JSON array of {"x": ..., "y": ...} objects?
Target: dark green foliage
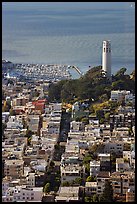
[
  {"x": 65, "y": 183},
  {"x": 120, "y": 73},
  {"x": 87, "y": 159},
  {"x": 87, "y": 199},
  {"x": 46, "y": 188},
  {"x": 95, "y": 198},
  {"x": 12, "y": 112},
  {"x": 107, "y": 195},
  {"x": 90, "y": 179},
  {"x": 91, "y": 85},
  {"x": 78, "y": 181},
  {"x": 55, "y": 90}
]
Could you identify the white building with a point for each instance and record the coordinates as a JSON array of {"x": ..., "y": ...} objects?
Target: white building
[
  {"x": 5, "y": 116},
  {"x": 70, "y": 172},
  {"x": 14, "y": 123},
  {"x": 130, "y": 98},
  {"x": 53, "y": 127},
  {"x": 23, "y": 194},
  {"x": 68, "y": 194},
  {"x": 106, "y": 58},
  {"x": 104, "y": 156},
  {"x": 57, "y": 107},
  {"x": 31, "y": 179},
  {"x": 119, "y": 95}
]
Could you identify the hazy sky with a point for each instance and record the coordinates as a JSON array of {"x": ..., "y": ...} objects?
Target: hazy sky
[{"x": 59, "y": 5}]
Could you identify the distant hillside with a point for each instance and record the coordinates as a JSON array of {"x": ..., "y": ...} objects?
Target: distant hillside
[{"x": 92, "y": 85}]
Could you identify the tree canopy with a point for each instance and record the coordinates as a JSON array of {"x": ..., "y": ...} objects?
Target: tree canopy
[
  {"x": 107, "y": 195},
  {"x": 92, "y": 85}
]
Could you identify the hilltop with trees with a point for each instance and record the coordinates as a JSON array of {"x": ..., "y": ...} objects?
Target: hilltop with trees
[{"x": 93, "y": 85}]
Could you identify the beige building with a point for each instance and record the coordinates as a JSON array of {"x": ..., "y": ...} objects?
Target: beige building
[
  {"x": 101, "y": 178},
  {"x": 68, "y": 194},
  {"x": 90, "y": 188},
  {"x": 130, "y": 196},
  {"x": 71, "y": 172},
  {"x": 14, "y": 168},
  {"x": 121, "y": 182},
  {"x": 20, "y": 101}
]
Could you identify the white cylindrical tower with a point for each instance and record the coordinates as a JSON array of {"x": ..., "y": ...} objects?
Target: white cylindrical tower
[{"x": 106, "y": 58}]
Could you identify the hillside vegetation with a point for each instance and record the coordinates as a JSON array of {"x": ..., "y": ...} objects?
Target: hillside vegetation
[{"x": 93, "y": 86}]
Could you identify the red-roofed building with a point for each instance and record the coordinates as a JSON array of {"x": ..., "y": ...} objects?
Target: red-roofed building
[{"x": 39, "y": 104}]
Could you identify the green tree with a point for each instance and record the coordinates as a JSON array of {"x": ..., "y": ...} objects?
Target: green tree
[
  {"x": 107, "y": 116},
  {"x": 121, "y": 72},
  {"x": 90, "y": 179},
  {"x": 47, "y": 188},
  {"x": 107, "y": 195},
  {"x": 65, "y": 183},
  {"x": 78, "y": 181},
  {"x": 87, "y": 159},
  {"x": 87, "y": 168},
  {"x": 87, "y": 199},
  {"x": 95, "y": 198},
  {"x": 12, "y": 112},
  {"x": 103, "y": 97}
]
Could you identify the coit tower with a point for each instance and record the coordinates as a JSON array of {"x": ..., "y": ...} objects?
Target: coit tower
[{"x": 106, "y": 58}]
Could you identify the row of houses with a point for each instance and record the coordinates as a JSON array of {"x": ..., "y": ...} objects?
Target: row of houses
[
  {"x": 24, "y": 165},
  {"x": 117, "y": 141}
]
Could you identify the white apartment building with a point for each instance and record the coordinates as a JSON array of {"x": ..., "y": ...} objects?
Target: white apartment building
[
  {"x": 119, "y": 95},
  {"x": 14, "y": 123},
  {"x": 68, "y": 194},
  {"x": 72, "y": 147},
  {"x": 104, "y": 156},
  {"x": 5, "y": 116},
  {"x": 23, "y": 194},
  {"x": 70, "y": 172},
  {"x": 53, "y": 127},
  {"x": 130, "y": 98},
  {"x": 20, "y": 101},
  {"x": 56, "y": 106},
  {"x": 30, "y": 179}
]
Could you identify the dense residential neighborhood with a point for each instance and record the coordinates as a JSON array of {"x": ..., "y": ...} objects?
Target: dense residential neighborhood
[{"x": 55, "y": 151}]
